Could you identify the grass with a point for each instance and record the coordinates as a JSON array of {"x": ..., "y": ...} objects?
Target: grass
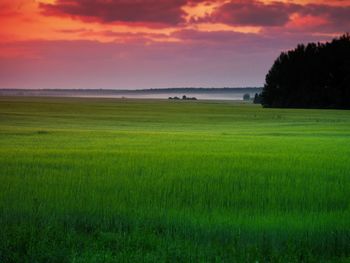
[{"x": 108, "y": 180}]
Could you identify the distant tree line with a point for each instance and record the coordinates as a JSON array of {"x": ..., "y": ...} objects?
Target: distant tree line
[
  {"x": 311, "y": 76},
  {"x": 184, "y": 97}
]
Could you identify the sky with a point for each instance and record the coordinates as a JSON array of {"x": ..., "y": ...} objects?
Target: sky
[{"x": 140, "y": 44}]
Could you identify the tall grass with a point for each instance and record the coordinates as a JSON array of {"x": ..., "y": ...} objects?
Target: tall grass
[{"x": 104, "y": 180}]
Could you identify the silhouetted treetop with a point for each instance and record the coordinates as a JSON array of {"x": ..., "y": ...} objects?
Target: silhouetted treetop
[{"x": 311, "y": 76}]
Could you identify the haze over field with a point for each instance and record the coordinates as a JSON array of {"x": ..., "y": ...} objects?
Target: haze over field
[
  {"x": 201, "y": 93},
  {"x": 155, "y": 44}
]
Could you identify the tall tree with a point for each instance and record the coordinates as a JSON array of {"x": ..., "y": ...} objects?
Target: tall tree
[{"x": 311, "y": 76}]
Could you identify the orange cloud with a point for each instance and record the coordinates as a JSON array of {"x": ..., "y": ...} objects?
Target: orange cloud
[
  {"x": 187, "y": 38},
  {"x": 62, "y": 19}
]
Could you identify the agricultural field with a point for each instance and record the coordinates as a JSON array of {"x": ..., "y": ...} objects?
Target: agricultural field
[{"x": 118, "y": 180}]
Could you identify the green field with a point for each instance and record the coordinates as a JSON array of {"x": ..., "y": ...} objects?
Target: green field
[{"x": 108, "y": 180}]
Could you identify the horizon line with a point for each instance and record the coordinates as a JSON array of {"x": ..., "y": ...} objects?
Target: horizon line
[{"x": 149, "y": 89}]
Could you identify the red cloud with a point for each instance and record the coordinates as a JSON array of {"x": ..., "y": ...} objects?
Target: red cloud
[
  {"x": 171, "y": 12},
  {"x": 338, "y": 17},
  {"x": 140, "y": 11}
]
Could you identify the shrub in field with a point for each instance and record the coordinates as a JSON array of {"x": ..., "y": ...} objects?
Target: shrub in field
[
  {"x": 246, "y": 96},
  {"x": 257, "y": 99}
]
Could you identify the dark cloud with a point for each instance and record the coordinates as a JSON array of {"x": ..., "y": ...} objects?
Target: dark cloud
[
  {"x": 338, "y": 17},
  {"x": 140, "y": 11},
  {"x": 254, "y": 13},
  {"x": 170, "y": 12},
  {"x": 278, "y": 14},
  {"x": 244, "y": 43}
]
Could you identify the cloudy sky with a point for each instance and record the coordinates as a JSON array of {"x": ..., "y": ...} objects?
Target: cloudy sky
[{"x": 135, "y": 44}]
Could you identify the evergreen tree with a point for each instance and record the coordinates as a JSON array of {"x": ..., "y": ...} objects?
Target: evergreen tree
[{"x": 311, "y": 76}]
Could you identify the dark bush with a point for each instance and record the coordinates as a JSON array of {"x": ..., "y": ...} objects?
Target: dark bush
[
  {"x": 257, "y": 98},
  {"x": 246, "y": 96}
]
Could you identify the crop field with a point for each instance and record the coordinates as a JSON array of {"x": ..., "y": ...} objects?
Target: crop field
[{"x": 118, "y": 180}]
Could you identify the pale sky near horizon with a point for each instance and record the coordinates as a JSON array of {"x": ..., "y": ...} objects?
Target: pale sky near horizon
[{"x": 137, "y": 44}]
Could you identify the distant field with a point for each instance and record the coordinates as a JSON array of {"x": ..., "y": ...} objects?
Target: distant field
[{"x": 108, "y": 180}]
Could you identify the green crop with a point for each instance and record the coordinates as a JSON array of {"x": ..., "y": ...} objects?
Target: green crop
[{"x": 118, "y": 180}]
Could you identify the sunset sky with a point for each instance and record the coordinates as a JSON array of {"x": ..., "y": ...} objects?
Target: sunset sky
[{"x": 136, "y": 44}]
